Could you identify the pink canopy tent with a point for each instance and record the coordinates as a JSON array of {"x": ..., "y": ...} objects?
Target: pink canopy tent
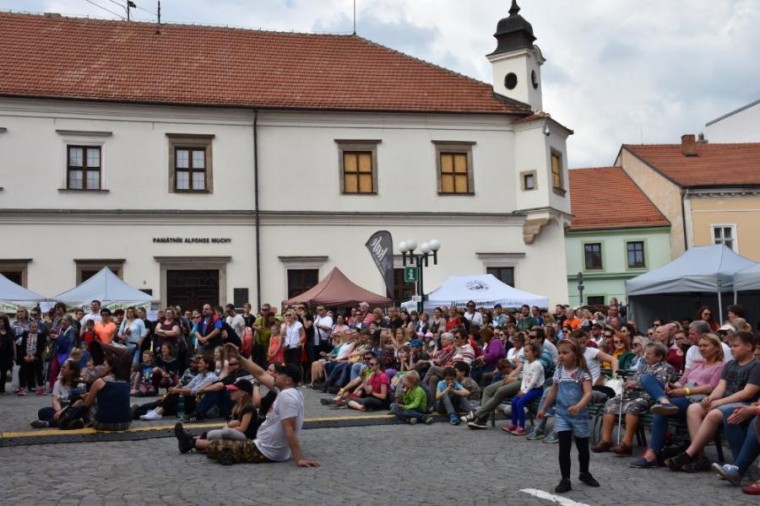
[{"x": 336, "y": 290}]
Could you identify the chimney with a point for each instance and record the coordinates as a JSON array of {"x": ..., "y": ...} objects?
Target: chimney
[
  {"x": 689, "y": 145},
  {"x": 701, "y": 139}
]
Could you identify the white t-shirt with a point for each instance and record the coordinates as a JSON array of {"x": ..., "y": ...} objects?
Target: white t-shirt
[
  {"x": 320, "y": 333},
  {"x": 292, "y": 334},
  {"x": 693, "y": 355},
  {"x": 476, "y": 318},
  {"x": 95, "y": 317},
  {"x": 552, "y": 350},
  {"x": 514, "y": 355},
  {"x": 594, "y": 367},
  {"x": 237, "y": 323},
  {"x": 270, "y": 439}
]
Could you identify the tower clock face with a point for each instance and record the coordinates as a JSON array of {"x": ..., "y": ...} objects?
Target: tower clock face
[
  {"x": 510, "y": 81},
  {"x": 534, "y": 79}
]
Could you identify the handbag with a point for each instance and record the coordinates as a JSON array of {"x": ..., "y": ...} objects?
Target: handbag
[
  {"x": 72, "y": 417},
  {"x": 615, "y": 384}
]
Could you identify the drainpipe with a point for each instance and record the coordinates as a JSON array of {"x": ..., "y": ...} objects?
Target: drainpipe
[
  {"x": 683, "y": 220},
  {"x": 256, "y": 205}
]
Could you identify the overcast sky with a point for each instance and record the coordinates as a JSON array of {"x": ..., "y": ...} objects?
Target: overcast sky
[{"x": 617, "y": 71}]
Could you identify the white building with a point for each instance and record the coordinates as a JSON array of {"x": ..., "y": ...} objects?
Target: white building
[
  {"x": 212, "y": 164},
  {"x": 741, "y": 125}
]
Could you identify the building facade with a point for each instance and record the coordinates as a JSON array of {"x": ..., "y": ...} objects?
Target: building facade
[
  {"x": 237, "y": 165},
  {"x": 709, "y": 192},
  {"x": 616, "y": 234},
  {"x": 741, "y": 125}
]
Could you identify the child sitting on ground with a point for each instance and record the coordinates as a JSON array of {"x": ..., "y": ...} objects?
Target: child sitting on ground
[
  {"x": 413, "y": 404},
  {"x": 451, "y": 396},
  {"x": 241, "y": 428},
  {"x": 531, "y": 388},
  {"x": 142, "y": 385}
]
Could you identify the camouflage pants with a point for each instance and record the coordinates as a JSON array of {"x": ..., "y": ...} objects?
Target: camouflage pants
[{"x": 242, "y": 451}]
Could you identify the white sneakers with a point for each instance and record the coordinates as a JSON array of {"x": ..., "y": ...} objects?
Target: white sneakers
[{"x": 151, "y": 415}]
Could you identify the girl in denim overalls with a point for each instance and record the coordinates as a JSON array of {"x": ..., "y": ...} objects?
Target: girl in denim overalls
[{"x": 572, "y": 390}]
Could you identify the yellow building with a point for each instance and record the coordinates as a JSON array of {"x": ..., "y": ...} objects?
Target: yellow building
[{"x": 710, "y": 193}]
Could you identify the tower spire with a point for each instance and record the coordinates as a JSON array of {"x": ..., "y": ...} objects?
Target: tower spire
[{"x": 515, "y": 9}]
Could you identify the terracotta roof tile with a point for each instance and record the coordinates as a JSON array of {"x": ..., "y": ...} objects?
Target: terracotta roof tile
[
  {"x": 75, "y": 58},
  {"x": 714, "y": 165},
  {"x": 606, "y": 197}
]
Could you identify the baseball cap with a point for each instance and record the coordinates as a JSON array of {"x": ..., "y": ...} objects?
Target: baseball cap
[
  {"x": 241, "y": 384},
  {"x": 290, "y": 370},
  {"x": 415, "y": 343}
]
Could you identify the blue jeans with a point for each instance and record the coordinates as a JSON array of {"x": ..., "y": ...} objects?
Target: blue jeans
[
  {"x": 356, "y": 370},
  {"x": 339, "y": 375},
  {"x": 449, "y": 404},
  {"x": 735, "y": 434},
  {"x": 656, "y": 391},
  {"x": 749, "y": 451},
  {"x": 221, "y": 399},
  {"x": 477, "y": 374},
  {"x": 520, "y": 403},
  {"x": 654, "y": 388},
  {"x": 406, "y": 415},
  {"x": 660, "y": 423}
]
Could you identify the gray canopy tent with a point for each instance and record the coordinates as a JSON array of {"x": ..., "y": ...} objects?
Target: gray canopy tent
[
  {"x": 13, "y": 295},
  {"x": 702, "y": 275}
]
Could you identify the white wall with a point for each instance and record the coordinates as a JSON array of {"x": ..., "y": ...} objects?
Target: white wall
[
  {"x": 298, "y": 152},
  {"x": 134, "y": 158},
  {"x": 740, "y": 126}
]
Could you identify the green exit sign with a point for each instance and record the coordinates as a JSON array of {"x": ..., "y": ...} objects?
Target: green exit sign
[{"x": 410, "y": 274}]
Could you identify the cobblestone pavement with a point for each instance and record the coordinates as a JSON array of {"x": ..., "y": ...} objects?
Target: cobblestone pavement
[{"x": 401, "y": 464}]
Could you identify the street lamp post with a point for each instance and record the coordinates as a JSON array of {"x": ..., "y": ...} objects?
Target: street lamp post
[{"x": 420, "y": 260}]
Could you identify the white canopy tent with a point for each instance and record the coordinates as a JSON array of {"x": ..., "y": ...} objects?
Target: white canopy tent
[
  {"x": 702, "y": 275},
  {"x": 13, "y": 295},
  {"x": 106, "y": 287},
  {"x": 485, "y": 290}
]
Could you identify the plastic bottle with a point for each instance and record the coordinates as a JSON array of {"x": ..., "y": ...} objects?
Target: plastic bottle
[{"x": 181, "y": 406}]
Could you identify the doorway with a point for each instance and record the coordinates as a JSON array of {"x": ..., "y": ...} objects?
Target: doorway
[{"x": 191, "y": 289}]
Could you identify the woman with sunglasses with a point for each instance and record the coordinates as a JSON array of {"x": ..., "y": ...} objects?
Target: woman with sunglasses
[
  {"x": 621, "y": 350},
  {"x": 294, "y": 335},
  {"x": 705, "y": 313},
  {"x": 374, "y": 392}
]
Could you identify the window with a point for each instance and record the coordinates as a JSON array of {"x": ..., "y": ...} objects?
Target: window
[
  {"x": 454, "y": 165},
  {"x": 15, "y": 270},
  {"x": 528, "y": 180},
  {"x": 358, "y": 166},
  {"x": 558, "y": 178},
  {"x": 504, "y": 274},
  {"x": 635, "y": 251},
  {"x": 300, "y": 280},
  {"x": 358, "y": 172},
  {"x": 593, "y": 256},
  {"x": 190, "y": 163},
  {"x": 595, "y": 300},
  {"x": 87, "y": 268},
  {"x": 83, "y": 167},
  {"x": 402, "y": 291},
  {"x": 725, "y": 234}
]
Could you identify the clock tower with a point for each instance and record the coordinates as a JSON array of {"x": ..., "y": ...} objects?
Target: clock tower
[{"x": 516, "y": 61}]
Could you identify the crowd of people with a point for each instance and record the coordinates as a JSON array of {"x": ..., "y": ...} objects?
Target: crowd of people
[{"x": 463, "y": 363}]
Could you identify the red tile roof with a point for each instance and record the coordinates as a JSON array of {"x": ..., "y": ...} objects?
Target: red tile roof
[
  {"x": 714, "y": 165},
  {"x": 606, "y": 197},
  {"x": 74, "y": 58}
]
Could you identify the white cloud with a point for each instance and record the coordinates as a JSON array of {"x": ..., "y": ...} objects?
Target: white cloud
[{"x": 617, "y": 71}]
